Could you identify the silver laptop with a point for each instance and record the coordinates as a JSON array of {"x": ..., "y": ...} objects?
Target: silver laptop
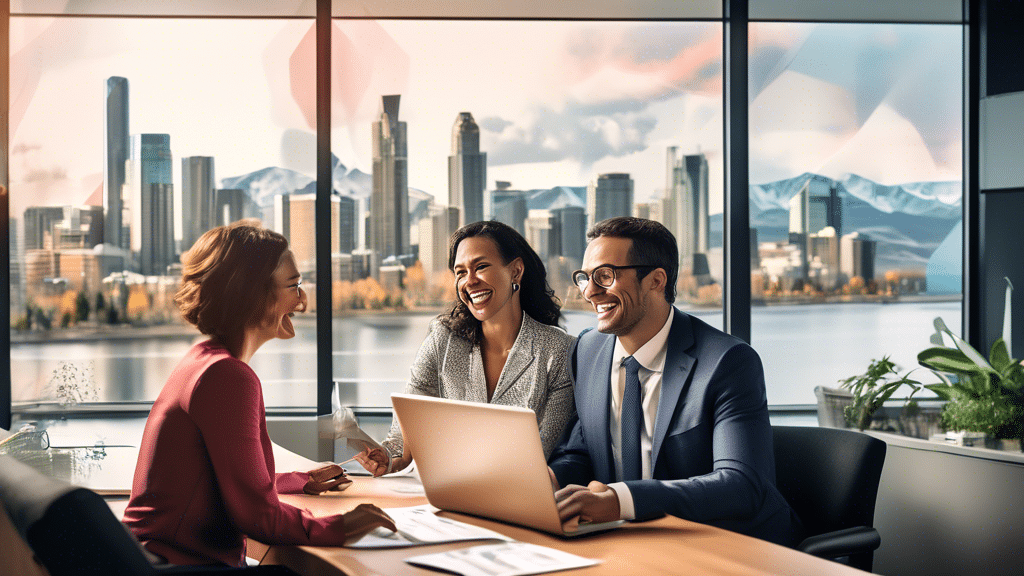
[{"x": 482, "y": 459}]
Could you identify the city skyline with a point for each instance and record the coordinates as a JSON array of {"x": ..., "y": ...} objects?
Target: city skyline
[{"x": 635, "y": 89}]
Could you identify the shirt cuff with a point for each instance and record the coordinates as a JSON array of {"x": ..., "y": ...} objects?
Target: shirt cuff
[{"x": 626, "y": 511}]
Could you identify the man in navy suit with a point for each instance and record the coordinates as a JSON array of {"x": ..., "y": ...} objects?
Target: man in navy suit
[{"x": 672, "y": 416}]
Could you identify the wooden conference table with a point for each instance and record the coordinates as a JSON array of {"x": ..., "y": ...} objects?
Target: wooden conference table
[{"x": 665, "y": 546}]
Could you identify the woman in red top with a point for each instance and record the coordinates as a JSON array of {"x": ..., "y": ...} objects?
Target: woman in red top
[{"x": 205, "y": 476}]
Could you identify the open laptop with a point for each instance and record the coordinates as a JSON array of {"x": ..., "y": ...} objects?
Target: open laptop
[{"x": 483, "y": 459}]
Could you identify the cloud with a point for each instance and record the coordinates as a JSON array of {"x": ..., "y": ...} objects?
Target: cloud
[
  {"x": 583, "y": 133},
  {"x": 19, "y": 149},
  {"x": 494, "y": 124}
]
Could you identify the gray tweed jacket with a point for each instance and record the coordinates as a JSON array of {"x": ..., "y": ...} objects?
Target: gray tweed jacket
[{"x": 535, "y": 376}]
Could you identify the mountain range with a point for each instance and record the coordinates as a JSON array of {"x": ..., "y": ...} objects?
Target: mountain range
[{"x": 909, "y": 221}]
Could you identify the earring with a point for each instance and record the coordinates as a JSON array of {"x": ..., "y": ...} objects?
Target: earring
[{"x": 515, "y": 287}]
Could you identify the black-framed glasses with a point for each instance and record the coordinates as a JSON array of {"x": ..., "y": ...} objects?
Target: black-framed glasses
[{"x": 603, "y": 276}]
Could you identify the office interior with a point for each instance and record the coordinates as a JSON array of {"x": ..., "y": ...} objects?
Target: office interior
[{"x": 940, "y": 509}]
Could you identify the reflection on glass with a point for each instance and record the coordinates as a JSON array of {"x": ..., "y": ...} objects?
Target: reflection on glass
[
  {"x": 438, "y": 124},
  {"x": 855, "y": 196},
  {"x": 130, "y": 139}
]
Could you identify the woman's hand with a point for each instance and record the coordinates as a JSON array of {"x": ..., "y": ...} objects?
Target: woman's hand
[
  {"x": 374, "y": 460},
  {"x": 366, "y": 518}
]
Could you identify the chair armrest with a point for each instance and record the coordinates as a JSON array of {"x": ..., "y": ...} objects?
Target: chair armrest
[{"x": 843, "y": 542}]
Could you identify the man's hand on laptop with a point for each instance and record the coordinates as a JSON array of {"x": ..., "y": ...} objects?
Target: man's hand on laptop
[
  {"x": 593, "y": 503},
  {"x": 554, "y": 479}
]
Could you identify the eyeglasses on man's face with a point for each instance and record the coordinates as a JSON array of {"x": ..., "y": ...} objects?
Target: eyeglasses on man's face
[{"x": 603, "y": 276}]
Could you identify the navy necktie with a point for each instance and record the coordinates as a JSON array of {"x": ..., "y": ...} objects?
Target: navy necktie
[{"x": 632, "y": 420}]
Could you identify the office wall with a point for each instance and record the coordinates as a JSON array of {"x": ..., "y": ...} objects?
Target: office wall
[
  {"x": 1001, "y": 148},
  {"x": 941, "y": 511}
]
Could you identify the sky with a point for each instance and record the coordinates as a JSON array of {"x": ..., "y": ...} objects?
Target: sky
[{"x": 558, "y": 102}]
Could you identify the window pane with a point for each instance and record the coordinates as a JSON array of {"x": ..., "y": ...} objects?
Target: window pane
[
  {"x": 856, "y": 196},
  {"x": 542, "y": 125},
  {"x": 129, "y": 139},
  {"x": 166, "y": 7}
]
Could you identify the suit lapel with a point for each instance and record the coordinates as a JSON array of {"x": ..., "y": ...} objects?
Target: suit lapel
[
  {"x": 593, "y": 401},
  {"x": 675, "y": 378},
  {"x": 520, "y": 357}
]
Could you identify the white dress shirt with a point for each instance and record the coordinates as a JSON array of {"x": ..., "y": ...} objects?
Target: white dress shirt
[{"x": 651, "y": 357}]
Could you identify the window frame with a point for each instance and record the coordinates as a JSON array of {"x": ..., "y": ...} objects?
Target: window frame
[{"x": 735, "y": 19}]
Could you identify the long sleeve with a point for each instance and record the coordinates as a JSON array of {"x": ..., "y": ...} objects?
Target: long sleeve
[
  {"x": 424, "y": 380},
  {"x": 559, "y": 406},
  {"x": 227, "y": 407},
  {"x": 743, "y": 471}
]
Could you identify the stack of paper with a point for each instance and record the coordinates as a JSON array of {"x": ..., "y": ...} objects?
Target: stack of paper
[{"x": 509, "y": 559}]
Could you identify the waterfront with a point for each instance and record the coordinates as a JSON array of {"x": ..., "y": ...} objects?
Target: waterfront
[{"x": 802, "y": 346}]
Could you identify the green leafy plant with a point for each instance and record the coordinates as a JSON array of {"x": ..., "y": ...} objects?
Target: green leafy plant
[
  {"x": 871, "y": 389},
  {"x": 985, "y": 395}
]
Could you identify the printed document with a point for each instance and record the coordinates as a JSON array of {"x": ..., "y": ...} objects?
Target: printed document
[
  {"x": 420, "y": 525},
  {"x": 509, "y": 559}
]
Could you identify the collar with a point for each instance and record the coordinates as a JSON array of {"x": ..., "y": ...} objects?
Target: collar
[{"x": 652, "y": 354}]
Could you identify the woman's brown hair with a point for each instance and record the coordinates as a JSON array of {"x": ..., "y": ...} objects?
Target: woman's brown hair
[{"x": 227, "y": 278}]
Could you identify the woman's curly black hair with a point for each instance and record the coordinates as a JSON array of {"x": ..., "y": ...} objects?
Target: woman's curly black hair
[{"x": 535, "y": 295}]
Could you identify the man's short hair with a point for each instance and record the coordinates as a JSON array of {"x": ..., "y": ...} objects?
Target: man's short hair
[{"x": 652, "y": 245}]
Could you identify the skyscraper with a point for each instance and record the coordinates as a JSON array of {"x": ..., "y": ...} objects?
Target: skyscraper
[
  {"x": 508, "y": 206},
  {"x": 115, "y": 147},
  {"x": 609, "y": 196},
  {"x": 198, "y": 199},
  {"x": 389, "y": 203},
  {"x": 348, "y": 221},
  {"x": 230, "y": 206},
  {"x": 571, "y": 227},
  {"x": 151, "y": 203},
  {"x": 684, "y": 209},
  {"x": 39, "y": 221},
  {"x": 816, "y": 206},
  {"x": 434, "y": 231},
  {"x": 467, "y": 170}
]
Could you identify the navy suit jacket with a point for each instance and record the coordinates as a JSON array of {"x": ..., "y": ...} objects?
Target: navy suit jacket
[{"x": 712, "y": 454}]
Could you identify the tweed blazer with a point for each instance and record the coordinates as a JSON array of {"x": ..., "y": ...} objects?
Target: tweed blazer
[{"x": 535, "y": 376}]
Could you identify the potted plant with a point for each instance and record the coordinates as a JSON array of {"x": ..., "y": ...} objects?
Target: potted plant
[
  {"x": 984, "y": 395},
  {"x": 871, "y": 389}
]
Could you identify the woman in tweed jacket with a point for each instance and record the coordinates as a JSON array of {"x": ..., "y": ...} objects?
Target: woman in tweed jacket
[{"x": 499, "y": 343}]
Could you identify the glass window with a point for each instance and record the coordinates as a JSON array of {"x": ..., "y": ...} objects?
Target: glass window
[
  {"x": 129, "y": 139},
  {"x": 855, "y": 196},
  {"x": 546, "y": 126}
]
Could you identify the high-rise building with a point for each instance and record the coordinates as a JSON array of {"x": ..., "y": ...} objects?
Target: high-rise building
[
  {"x": 116, "y": 150},
  {"x": 857, "y": 256},
  {"x": 302, "y": 234},
  {"x": 684, "y": 209},
  {"x": 816, "y": 206},
  {"x": 283, "y": 215},
  {"x": 151, "y": 203},
  {"x": 823, "y": 255},
  {"x": 508, "y": 206},
  {"x": 434, "y": 231},
  {"x": 609, "y": 196},
  {"x": 16, "y": 267},
  {"x": 348, "y": 223},
  {"x": 198, "y": 199},
  {"x": 82, "y": 227},
  {"x": 467, "y": 170},
  {"x": 539, "y": 232},
  {"x": 230, "y": 206},
  {"x": 39, "y": 222},
  {"x": 389, "y": 205},
  {"x": 570, "y": 224}
]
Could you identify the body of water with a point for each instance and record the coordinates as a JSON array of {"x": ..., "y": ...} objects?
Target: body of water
[{"x": 802, "y": 346}]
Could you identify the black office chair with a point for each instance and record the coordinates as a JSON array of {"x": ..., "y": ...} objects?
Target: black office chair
[
  {"x": 830, "y": 478},
  {"x": 72, "y": 531}
]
